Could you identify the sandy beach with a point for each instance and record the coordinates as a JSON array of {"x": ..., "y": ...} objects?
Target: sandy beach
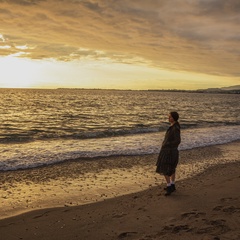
[{"x": 123, "y": 198}]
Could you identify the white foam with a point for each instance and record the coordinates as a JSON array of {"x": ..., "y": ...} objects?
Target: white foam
[{"x": 28, "y": 155}]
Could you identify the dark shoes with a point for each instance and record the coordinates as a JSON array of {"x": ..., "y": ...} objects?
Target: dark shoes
[
  {"x": 173, "y": 187},
  {"x": 170, "y": 189}
]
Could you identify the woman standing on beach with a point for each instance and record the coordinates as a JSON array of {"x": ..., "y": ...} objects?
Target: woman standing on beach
[{"x": 169, "y": 155}]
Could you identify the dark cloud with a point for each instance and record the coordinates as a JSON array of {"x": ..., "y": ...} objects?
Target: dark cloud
[
  {"x": 218, "y": 7},
  {"x": 4, "y": 11},
  {"x": 22, "y": 2},
  {"x": 94, "y": 6}
]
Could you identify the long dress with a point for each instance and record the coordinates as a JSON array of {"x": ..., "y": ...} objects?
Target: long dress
[{"x": 169, "y": 154}]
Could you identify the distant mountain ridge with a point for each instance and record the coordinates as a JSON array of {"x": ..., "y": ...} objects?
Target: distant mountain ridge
[
  {"x": 236, "y": 87},
  {"x": 229, "y": 90},
  {"x": 233, "y": 89}
]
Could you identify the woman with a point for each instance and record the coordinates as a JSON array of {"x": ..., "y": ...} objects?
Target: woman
[{"x": 168, "y": 156}]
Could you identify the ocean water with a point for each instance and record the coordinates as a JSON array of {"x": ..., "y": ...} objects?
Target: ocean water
[{"x": 40, "y": 127}]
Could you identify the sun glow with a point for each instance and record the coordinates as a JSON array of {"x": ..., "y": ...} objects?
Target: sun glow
[
  {"x": 19, "y": 72},
  {"x": 75, "y": 44}
]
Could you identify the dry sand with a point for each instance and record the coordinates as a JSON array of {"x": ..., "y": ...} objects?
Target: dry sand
[{"x": 123, "y": 198}]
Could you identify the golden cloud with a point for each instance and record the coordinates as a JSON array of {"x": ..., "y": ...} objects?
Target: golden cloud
[{"x": 201, "y": 35}]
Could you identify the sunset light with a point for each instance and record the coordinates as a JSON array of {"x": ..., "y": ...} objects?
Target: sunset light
[
  {"x": 125, "y": 45},
  {"x": 119, "y": 119}
]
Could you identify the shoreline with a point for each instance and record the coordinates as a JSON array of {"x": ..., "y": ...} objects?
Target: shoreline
[
  {"x": 80, "y": 182},
  {"x": 204, "y": 207}
]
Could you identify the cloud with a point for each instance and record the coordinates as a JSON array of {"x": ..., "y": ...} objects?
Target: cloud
[
  {"x": 199, "y": 36},
  {"x": 22, "y": 2}
]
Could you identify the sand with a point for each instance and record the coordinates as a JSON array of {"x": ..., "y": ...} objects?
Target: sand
[{"x": 123, "y": 198}]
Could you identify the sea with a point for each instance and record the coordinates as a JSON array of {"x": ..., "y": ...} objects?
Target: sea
[{"x": 47, "y": 126}]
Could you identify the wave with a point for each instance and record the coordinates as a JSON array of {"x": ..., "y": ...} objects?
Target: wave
[
  {"x": 38, "y": 153},
  {"x": 36, "y": 134},
  {"x": 64, "y": 133}
]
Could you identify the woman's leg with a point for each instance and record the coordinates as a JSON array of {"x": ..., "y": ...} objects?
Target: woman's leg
[
  {"x": 168, "y": 179},
  {"x": 172, "y": 180},
  {"x": 169, "y": 188}
]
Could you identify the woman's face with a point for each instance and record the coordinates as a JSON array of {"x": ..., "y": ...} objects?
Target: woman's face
[{"x": 170, "y": 118}]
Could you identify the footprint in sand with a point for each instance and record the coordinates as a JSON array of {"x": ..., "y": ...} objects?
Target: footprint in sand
[
  {"x": 126, "y": 234},
  {"x": 227, "y": 209},
  {"x": 215, "y": 227},
  {"x": 218, "y": 208},
  {"x": 230, "y": 199},
  {"x": 231, "y": 209},
  {"x": 175, "y": 229},
  {"x": 192, "y": 214},
  {"x": 119, "y": 215}
]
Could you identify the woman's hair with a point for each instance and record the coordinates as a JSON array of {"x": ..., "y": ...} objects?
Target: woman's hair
[{"x": 174, "y": 115}]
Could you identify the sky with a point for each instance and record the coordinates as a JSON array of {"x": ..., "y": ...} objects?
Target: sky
[{"x": 120, "y": 44}]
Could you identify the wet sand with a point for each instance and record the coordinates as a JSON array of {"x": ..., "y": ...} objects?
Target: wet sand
[{"x": 123, "y": 198}]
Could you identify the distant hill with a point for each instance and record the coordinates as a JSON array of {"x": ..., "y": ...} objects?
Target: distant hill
[
  {"x": 231, "y": 89},
  {"x": 236, "y": 87}
]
